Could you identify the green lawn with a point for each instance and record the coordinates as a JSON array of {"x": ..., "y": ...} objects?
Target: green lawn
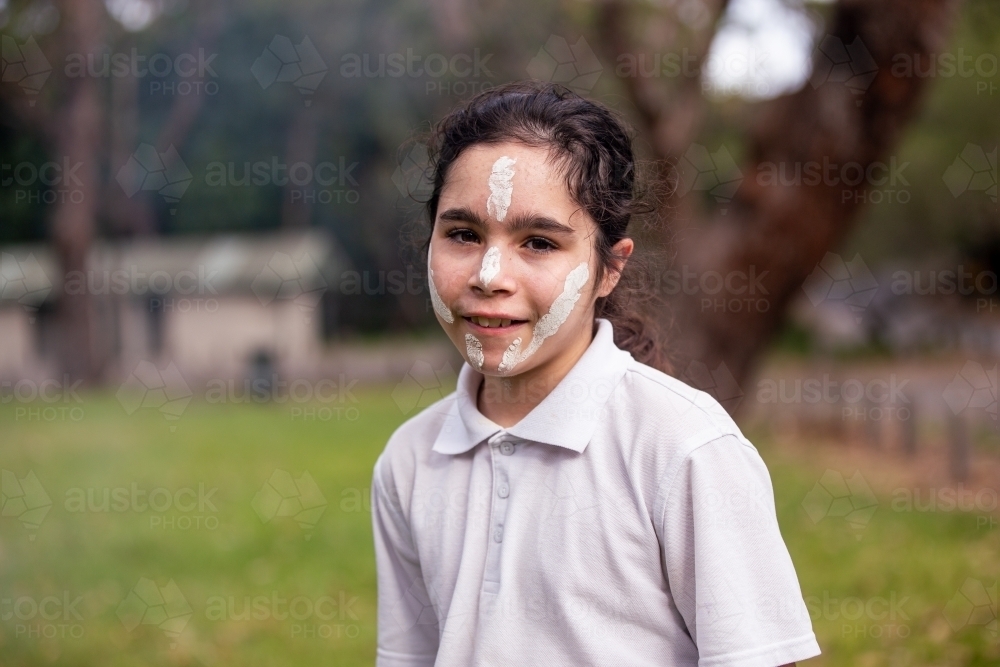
[{"x": 169, "y": 584}]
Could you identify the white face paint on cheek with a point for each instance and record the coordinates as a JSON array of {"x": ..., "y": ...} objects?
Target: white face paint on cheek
[
  {"x": 501, "y": 186},
  {"x": 474, "y": 347},
  {"x": 550, "y": 322},
  {"x": 442, "y": 310},
  {"x": 491, "y": 266}
]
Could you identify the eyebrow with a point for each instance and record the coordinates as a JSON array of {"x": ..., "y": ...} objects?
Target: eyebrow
[{"x": 518, "y": 222}]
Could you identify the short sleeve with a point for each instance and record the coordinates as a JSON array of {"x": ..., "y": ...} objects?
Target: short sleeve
[
  {"x": 407, "y": 624},
  {"x": 727, "y": 566}
]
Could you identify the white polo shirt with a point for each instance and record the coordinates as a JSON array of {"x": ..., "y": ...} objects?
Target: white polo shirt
[{"x": 625, "y": 520}]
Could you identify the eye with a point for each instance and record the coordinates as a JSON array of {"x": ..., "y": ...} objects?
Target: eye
[
  {"x": 546, "y": 245},
  {"x": 462, "y": 235}
]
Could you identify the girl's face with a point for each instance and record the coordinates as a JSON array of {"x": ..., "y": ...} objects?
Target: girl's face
[{"x": 512, "y": 260}]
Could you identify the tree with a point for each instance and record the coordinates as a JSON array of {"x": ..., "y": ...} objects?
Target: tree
[
  {"x": 89, "y": 119},
  {"x": 77, "y": 134},
  {"x": 783, "y": 231}
]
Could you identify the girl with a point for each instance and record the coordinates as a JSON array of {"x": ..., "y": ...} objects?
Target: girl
[{"x": 568, "y": 504}]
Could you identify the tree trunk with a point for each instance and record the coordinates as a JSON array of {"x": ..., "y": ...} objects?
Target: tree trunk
[
  {"x": 297, "y": 200},
  {"x": 78, "y": 139}
]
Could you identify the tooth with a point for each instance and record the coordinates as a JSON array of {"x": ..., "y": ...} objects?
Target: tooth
[
  {"x": 494, "y": 321},
  {"x": 483, "y": 322},
  {"x": 505, "y": 323}
]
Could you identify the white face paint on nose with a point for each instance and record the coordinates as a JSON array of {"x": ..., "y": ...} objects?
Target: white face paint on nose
[
  {"x": 501, "y": 184},
  {"x": 491, "y": 266}
]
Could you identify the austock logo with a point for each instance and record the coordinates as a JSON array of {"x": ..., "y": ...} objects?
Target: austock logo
[
  {"x": 974, "y": 170},
  {"x": 458, "y": 73},
  {"x": 324, "y": 182},
  {"x": 24, "y": 65},
  {"x": 834, "y": 496},
  {"x": 180, "y": 74},
  {"x": 50, "y": 182},
  {"x": 285, "y": 279},
  {"x": 147, "y": 387},
  {"x": 283, "y": 496},
  {"x": 310, "y": 616},
  {"x": 23, "y": 281},
  {"x": 833, "y": 279},
  {"x": 575, "y": 66},
  {"x": 850, "y": 64},
  {"x": 415, "y": 607},
  {"x": 863, "y": 617},
  {"x": 148, "y": 169},
  {"x": 412, "y": 177},
  {"x": 973, "y": 387},
  {"x": 24, "y": 499},
  {"x": 876, "y": 182},
  {"x": 973, "y": 605},
  {"x": 45, "y": 617},
  {"x": 422, "y": 386},
  {"x": 720, "y": 384},
  {"x": 150, "y": 604},
  {"x": 715, "y": 173},
  {"x": 873, "y": 399},
  {"x": 283, "y": 62},
  {"x": 185, "y": 508}
]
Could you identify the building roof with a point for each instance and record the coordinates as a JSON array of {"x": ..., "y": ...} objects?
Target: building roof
[{"x": 259, "y": 263}]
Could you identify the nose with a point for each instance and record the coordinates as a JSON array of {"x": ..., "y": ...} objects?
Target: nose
[{"x": 492, "y": 274}]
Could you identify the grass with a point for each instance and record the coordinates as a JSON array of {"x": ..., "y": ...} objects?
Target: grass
[
  {"x": 223, "y": 553},
  {"x": 885, "y": 593}
]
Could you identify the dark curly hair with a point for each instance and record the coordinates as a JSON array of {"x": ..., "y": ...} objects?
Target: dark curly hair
[{"x": 595, "y": 148}]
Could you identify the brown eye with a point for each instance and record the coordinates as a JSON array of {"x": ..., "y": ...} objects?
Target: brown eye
[
  {"x": 545, "y": 244},
  {"x": 462, "y": 236}
]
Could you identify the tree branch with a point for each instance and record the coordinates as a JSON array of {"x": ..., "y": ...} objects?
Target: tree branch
[{"x": 785, "y": 230}]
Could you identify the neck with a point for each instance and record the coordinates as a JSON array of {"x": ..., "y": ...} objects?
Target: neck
[{"x": 507, "y": 400}]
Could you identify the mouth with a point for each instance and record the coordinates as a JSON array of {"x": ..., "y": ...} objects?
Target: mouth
[{"x": 493, "y": 325}]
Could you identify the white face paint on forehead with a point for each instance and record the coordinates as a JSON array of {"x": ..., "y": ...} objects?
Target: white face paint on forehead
[
  {"x": 442, "y": 310},
  {"x": 550, "y": 322},
  {"x": 501, "y": 186},
  {"x": 474, "y": 348},
  {"x": 491, "y": 265}
]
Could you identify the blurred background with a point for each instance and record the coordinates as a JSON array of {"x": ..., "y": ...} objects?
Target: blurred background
[{"x": 213, "y": 314}]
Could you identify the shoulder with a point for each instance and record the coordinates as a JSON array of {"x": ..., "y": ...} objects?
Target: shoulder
[
  {"x": 661, "y": 425},
  {"x": 410, "y": 444},
  {"x": 680, "y": 414}
]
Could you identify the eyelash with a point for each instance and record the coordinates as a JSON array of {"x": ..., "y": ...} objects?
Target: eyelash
[{"x": 455, "y": 233}]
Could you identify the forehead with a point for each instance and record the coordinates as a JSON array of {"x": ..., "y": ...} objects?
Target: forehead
[{"x": 538, "y": 185}]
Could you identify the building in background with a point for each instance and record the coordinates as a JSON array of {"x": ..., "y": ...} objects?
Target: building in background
[{"x": 217, "y": 307}]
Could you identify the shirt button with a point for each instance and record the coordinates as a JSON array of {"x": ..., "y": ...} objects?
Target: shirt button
[
  {"x": 498, "y": 534},
  {"x": 503, "y": 491},
  {"x": 506, "y": 448}
]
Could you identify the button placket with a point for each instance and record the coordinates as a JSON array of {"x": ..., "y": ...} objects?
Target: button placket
[{"x": 498, "y": 515}]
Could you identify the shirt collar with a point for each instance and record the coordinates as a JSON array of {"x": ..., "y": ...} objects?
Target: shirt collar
[{"x": 566, "y": 417}]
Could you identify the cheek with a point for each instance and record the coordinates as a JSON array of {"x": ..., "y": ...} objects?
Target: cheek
[
  {"x": 452, "y": 277},
  {"x": 543, "y": 288}
]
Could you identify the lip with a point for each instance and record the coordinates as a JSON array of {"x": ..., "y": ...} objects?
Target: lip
[{"x": 475, "y": 326}]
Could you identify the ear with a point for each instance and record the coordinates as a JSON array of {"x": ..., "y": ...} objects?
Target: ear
[{"x": 622, "y": 250}]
